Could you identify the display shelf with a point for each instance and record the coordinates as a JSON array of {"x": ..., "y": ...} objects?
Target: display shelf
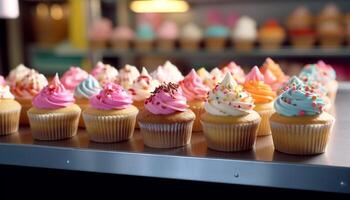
[{"x": 262, "y": 166}]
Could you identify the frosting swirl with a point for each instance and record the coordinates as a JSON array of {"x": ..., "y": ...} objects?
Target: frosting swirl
[
  {"x": 271, "y": 80},
  {"x": 292, "y": 82},
  {"x": 173, "y": 73},
  {"x": 214, "y": 78},
  {"x": 5, "y": 92},
  {"x": 143, "y": 86},
  {"x": 73, "y": 77},
  {"x": 104, "y": 73},
  {"x": 87, "y": 88},
  {"x": 254, "y": 84},
  {"x": 229, "y": 99},
  {"x": 127, "y": 75},
  {"x": 2, "y": 81},
  {"x": 166, "y": 99},
  {"x": 236, "y": 72},
  {"x": 193, "y": 87},
  {"x": 111, "y": 97},
  {"x": 30, "y": 85},
  {"x": 17, "y": 74},
  {"x": 275, "y": 69},
  {"x": 53, "y": 96},
  {"x": 159, "y": 74},
  {"x": 299, "y": 101}
]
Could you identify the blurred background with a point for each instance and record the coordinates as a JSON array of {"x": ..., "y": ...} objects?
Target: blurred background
[{"x": 53, "y": 35}]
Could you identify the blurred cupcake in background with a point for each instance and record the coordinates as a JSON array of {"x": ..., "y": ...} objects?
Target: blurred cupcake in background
[
  {"x": 104, "y": 73},
  {"x": 71, "y": 78},
  {"x": 329, "y": 13},
  {"x": 244, "y": 34},
  {"x": 214, "y": 78},
  {"x": 347, "y": 27},
  {"x": 17, "y": 74},
  {"x": 127, "y": 75},
  {"x": 216, "y": 37},
  {"x": 26, "y": 89},
  {"x": 145, "y": 36},
  {"x": 275, "y": 69},
  {"x": 300, "y": 28},
  {"x": 190, "y": 37},
  {"x": 167, "y": 35},
  {"x": 236, "y": 72},
  {"x": 100, "y": 33},
  {"x": 122, "y": 37},
  {"x": 271, "y": 35}
]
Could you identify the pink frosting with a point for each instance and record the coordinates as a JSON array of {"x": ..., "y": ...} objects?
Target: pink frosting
[
  {"x": 271, "y": 80},
  {"x": 101, "y": 29},
  {"x": 53, "y": 96},
  {"x": 166, "y": 99},
  {"x": 73, "y": 77},
  {"x": 168, "y": 30},
  {"x": 123, "y": 32},
  {"x": 254, "y": 75},
  {"x": 193, "y": 87},
  {"x": 235, "y": 70},
  {"x": 111, "y": 97},
  {"x": 2, "y": 81}
]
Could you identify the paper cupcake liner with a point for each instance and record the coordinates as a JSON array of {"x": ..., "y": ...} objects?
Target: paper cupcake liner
[
  {"x": 144, "y": 45},
  {"x": 243, "y": 45},
  {"x": 107, "y": 129},
  {"x": 231, "y": 137},
  {"x": 166, "y": 135},
  {"x": 215, "y": 44},
  {"x": 9, "y": 122},
  {"x": 264, "y": 126},
  {"x": 98, "y": 44},
  {"x": 121, "y": 44},
  {"x": 53, "y": 126},
  {"x": 198, "y": 111},
  {"x": 165, "y": 45},
  {"x": 301, "y": 139}
]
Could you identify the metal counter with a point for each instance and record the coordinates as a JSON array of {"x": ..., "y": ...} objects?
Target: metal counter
[{"x": 262, "y": 166}]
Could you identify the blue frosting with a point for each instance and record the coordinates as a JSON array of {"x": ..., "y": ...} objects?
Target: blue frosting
[
  {"x": 145, "y": 31},
  {"x": 217, "y": 31},
  {"x": 299, "y": 102},
  {"x": 87, "y": 88}
]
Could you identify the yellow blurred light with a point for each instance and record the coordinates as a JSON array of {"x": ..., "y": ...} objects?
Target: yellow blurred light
[
  {"x": 159, "y": 6},
  {"x": 56, "y": 12},
  {"x": 42, "y": 10}
]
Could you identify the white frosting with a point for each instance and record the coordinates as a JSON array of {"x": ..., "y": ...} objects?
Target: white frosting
[
  {"x": 143, "y": 86},
  {"x": 127, "y": 75},
  {"x": 191, "y": 31},
  {"x": 174, "y": 75},
  {"x": 5, "y": 93},
  {"x": 17, "y": 74},
  {"x": 245, "y": 29}
]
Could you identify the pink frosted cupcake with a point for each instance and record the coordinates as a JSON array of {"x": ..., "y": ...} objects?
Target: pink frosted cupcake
[
  {"x": 167, "y": 35},
  {"x": 127, "y": 76},
  {"x": 73, "y": 77},
  {"x": 236, "y": 72},
  {"x": 104, "y": 73},
  {"x": 196, "y": 93},
  {"x": 17, "y": 74},
  {"x": 54, "y": 116},
  {"x": 122, "y": 37},
  {"x": 166, "y": 121},
  {"x": 100, "y": 32},
  {"x": 111, "y": 116},
  {"x": 272, "y": 80}
]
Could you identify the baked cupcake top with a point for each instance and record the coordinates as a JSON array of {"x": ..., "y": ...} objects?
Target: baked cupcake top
[
  {"x": 193, "y": 87},
  {"x": 166, "y": 99},
  {"x": 5, "y": 92},
  {"x": 275, "y": 69},
  {"x": 127, "y": 75},
  {"x": 111, "y": 97},
  {"x": 17, "y": 74},
  {"x": 236, "y": 72},
  {"x": 229, "y": 99},
  {"x": 104, "y": 73},
  {"x": 260, "y": 91},
  {"x": 53, "y": 96},
  {"x": 71, "y": 78},
  {"x": 143, "y": 86},
  {"x": 214, "y": 78},
  {"x": 87, "y": 88},
  {"x": 2, "y": 81},
  {"x": 30, "y": 85},
  {"x": 292, "y": 82},
  {"x": 191, "y": 31},
  {"x": 245, "y": 29},
  {"x": 299, "y": 101},
  {"x": 168, "y": 30},
  {"x": 271, "y": 28}
]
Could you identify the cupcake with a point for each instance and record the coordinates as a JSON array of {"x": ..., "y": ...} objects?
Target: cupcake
[
  {"x": 167, "y": 35},
  {"x": 71, "y": 78},
  {"x": 17, "y": 74},
  {"x": 329, "y": 13},
  {"x": 127, "y": 76},
  {"x": 84, "y": 91},
  {"x": 230, "y": 123},
  {"x": 300, "y": 28},
  {"x": 195, "y": 92},
  {"x": 214, "y": 78},
  {"x": 9, "y": 111},
  {"x": 275, "y": 70},
  {"x": 160, "y": 75},
  {"x": 236, "y": 72},
  {"x": 54, "y": 116},
  {"x": 122, "y": 37},
  {"x": 292, "y": 82},
  {"x": 100, "y": 32},
  {"x": 272, "y": 80},
  {"x": 271, "y": 35},
  {"x": 111, "y": 116},
  {"x": 173, "y": 73},
  {"x": 244, "y": 34},
  {"x": 26, "y": 89},
  {"x": 104, "y": 73},
  {"x": 166, "y": 121},
  {"x": 144, "y": 37},
  {"x": 190, "y": 37},
  {"x": 2, "y": 81},
  {"x": 263, "y": 98},
  {"x": 203, "y": 73},
  {"x": 216, "y": 37},
  {"x": 299, "y": 125}
]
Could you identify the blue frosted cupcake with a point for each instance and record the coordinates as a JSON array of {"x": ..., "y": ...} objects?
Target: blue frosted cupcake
[
  {"x": 216, "y": 37},
  {"x": 145, "y": 36}
]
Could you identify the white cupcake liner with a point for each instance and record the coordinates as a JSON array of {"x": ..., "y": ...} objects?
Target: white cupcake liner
[
  {"x": 9, "y": 122},
  {"x": 54, "y": 126},
  {"x": 166, "y": 135},
  {"x": 107, "y": 129},
  {"x": 306, "y": 139},
  {"x": 231, "y": 137},
  {"x": 264, "y": 126}
]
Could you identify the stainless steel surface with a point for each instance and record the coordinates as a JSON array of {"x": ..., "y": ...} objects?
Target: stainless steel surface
[{"x": 262, "y": 166}]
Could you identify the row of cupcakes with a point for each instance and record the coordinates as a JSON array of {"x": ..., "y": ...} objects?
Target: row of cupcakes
[{"x": 229, "y": 119}]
